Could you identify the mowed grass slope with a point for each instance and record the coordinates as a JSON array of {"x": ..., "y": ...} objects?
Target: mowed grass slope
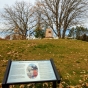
[{"x": 70, "y": 56}]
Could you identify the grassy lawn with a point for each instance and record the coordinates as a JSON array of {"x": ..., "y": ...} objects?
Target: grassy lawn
[{"x": 70, "y": 57}]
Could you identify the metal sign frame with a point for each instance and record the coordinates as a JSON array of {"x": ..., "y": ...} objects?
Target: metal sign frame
[{"x": 5, "y": 84}]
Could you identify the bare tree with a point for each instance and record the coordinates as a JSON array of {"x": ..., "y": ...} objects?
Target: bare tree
[
  {"x": 60, "y": 14},
  {"x": 49, "y": 9},
  {"x": 19, "y": 16},
  {"x": 74, "y": 13},
  {"x": 38, "y": 15}
]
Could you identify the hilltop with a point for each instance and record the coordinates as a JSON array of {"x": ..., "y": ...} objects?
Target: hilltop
[{"x": 70, "y": 57}]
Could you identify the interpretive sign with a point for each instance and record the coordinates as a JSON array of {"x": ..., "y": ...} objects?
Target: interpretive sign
[
  {"x": 26, "y": 71},
  {"x": 19, "y": 72}
]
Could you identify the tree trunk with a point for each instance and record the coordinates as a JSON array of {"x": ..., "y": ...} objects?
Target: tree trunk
[
  {"x": 63, "y": 34},
  {"x": 59, "y": 34},
  {"x": 57, "y": 27}
]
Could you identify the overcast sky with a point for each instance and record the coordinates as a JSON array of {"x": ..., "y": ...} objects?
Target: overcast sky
[{"x": 11, "y": 2}]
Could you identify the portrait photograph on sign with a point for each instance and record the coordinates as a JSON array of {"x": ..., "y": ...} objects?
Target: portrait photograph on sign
[{"x": 32, "y": 71}]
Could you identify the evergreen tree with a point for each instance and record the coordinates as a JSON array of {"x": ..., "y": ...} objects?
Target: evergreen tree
[{"x": 39, "y": 33}]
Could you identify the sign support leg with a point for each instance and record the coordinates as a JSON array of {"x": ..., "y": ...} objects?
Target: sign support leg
[
  {"x": 54, "y": 84},
  {"x": 5, "y": 86}
]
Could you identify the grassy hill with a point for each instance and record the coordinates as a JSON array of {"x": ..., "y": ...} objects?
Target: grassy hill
[{"x": 70, "y": 57}]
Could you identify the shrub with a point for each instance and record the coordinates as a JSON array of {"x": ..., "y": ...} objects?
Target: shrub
[
  {"x": 84, "y": 37},
  {"x": 87, "y": 38}
]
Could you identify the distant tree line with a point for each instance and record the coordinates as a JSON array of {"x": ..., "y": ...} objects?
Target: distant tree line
[
  {"x": 84, "y": 37},
  {"x": 79, "y": 32},
  {"x": 55, "y": 14}
]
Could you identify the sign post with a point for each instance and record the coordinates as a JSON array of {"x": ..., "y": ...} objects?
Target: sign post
[{"x": 25, "y": 72}]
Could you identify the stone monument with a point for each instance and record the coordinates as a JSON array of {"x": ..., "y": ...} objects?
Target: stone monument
[{"x": 48, "y": 33}]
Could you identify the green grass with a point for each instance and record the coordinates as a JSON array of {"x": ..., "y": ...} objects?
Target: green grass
[{"x": 70, "y": 56}]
